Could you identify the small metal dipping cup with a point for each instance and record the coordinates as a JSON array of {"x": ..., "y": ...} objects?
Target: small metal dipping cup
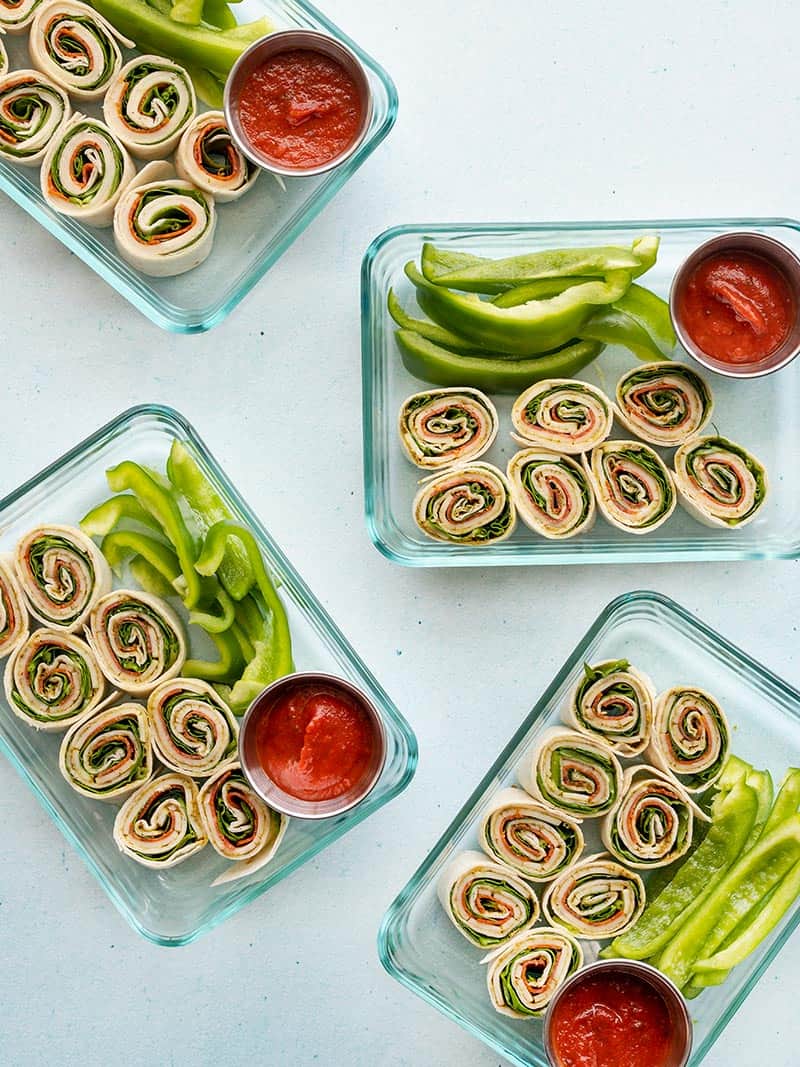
[
  {"x": 681, "y": 1024},
  {"x": 287, "y": 41},
  {"x": 269, "y": 790},
  {"x": 767, "y": 248}
]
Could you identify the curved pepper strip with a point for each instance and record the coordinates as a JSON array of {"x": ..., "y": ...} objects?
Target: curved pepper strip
[
  {"x": 459, "y": 270},
  {"x": 733, "y": 815},
  {"x": 431, "y": 332},
  {"x": 529, "y": 329},
  {"x": 226, "y": 669},
  {"x": 753, "y": 876},
  {"x": 432, "y": 363},
  {"x": 149, "y": 579},
  {"x": 102, "y": 519},
  {"x": 129, "y": 476},
  {"x": 122, "y": 544}
]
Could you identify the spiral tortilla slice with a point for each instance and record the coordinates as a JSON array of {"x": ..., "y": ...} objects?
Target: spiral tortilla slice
[
  {"x": 486, "y": 902},
  {"x": 14, "y": 619},
  {"x": 595, "y": 898},
  {"x": 159, "y": 825},
  {"x": 633, "y": 487},
  {"x": 138, "y": 640},
  {"x": 470, "y": 504},
  {"x": 613, "y": 701},
  {"x": 691, "y": 737},
  {"x": 17, "y": 15},
  {"x": 524, "y": 975},
  {"x": 562, "y": 415},
  {"x": 239, "y": 825},
  {"x": 575, "y": 773},
  {"x": 208, "y": 158},
  {"x": 33, "y": 110},
  {"x": 532, "y": 838},
  {"x": 108, "y": 754},
  {"x": 85, "y": 171},
  {"x": 440, "y": 427},
  {"x": 52, "y": 680},
  {"x": 552, "y": 494},
  {"x": 663, "y": 403},
  {"x": 653, "y": 823},
  {"x": 719, "y": 483},
  {"x": 149, "y": 104},
  {"x": 62, "y": 574},
  {"x": 163, "y": 226},
  {"x": 194, "y": 730},
  {"x": 76, "y": 47}
]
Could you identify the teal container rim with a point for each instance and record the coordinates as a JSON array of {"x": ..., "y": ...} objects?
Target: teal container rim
[
  {"x": 440, "y": 555},
  {"x": 393, "y": 917},
  {"x": 305, "y": 601},
  {"x": 167, "y": 315}
]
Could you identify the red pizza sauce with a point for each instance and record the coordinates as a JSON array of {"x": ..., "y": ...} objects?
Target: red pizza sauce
[
  {"x": 300, "y": 109},
  {"x": 611, "y": 1021},
  {"x": 316, "y": 743},
  {"x": 737, "y": 307}
]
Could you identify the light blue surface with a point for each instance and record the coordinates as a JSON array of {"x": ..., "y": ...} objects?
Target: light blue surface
[{"x": 528, "y": 111}]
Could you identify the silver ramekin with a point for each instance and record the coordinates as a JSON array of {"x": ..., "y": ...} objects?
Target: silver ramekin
[
  {"x": 272, "y": 45},
  {"x": 676, "y": 1006},
  {"x": 757, "y": 244},
  {"x": 269, "y": 790}
]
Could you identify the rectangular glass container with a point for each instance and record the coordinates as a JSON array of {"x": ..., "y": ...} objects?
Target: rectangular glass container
[
  {"x": 174, "y": 906},
  {"x": 759, "y": 413},
  {"x": 417, "y": 942},
  {"x": 252, "y": 233}
]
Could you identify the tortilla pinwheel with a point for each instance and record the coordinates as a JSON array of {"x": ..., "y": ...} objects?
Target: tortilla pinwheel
[
  {"x": 552, "y": 493},
  {"x": 525, "y": 975},
  {"x": 52, "y": 680},
  {"x": 573, "y": 772},
  {"x": 633, "y": 487},
  {"x": 534, "y": 839},
  {"x": 138, "y": 640},
  {"x": 719, "y": 482},
  {"x": 32, "y": 112},
  {"x": 107, "y": 754},
  {"x": 13, "y": 610},
  {"x": 208, "y": 158},
  {"x": 691, "y": 737},
  {"x": 562, "y": 415},
  {"x": 595, "y": 898},
  {"x": 62, "y": 574},
  {"x": 613, "y": 701},
  {"x": 486, "y": 902},
  {"x": 159, "y": 825},
  {"x": 149, "y": 104},
  {"x": 76, "y": 47},
  {"x": 17, "y": 15},
  {"x": 663, "y": 403},
  {"x": 440, "y": 427},
  {"x": 469, "y": 504},
  {"x": 194, "y": 731}
]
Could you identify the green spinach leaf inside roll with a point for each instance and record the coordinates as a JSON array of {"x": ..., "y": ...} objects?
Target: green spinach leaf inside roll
[
  {"x": 194, "y": 730},
  {"x": 486, "y": 902},
  {"x": 138, "y": 640},
  {"x": 74, "y": 45},
  {"x": 573, "y": 772},
  {"x": 149, "y": 104},
  {"x": 208, "y": 158},
  {"x": 613, "y": 701},
  {"x": 719, "y": 483},
  {"x": 533, "y": 838},
  {"x": 32, "y": 112},
  {"x": 62, "y": 574}
]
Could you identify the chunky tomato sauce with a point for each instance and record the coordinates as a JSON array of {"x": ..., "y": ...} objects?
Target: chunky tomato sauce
[
  {"x": 316, "y": 743},
  {"x": 737, "y": 307},
  {"x": 611, "y": 1021},
  {"x": 301, "y": 109}
]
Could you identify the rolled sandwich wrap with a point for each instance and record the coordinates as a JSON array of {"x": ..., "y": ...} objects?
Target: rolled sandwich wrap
[
  {"x": 149, "y": 104},
  {"x": 239, "y": 825},
  {"x": 17, "y": 15},
  {"x": 159, "y": 825},
  {"x": 691, "y": 737},
  {"x": 563, "y": 415},
  {"x": 208, "y": 158},
  {"x": 633, "y": 487},
  {"x": 663, "y": 403},
  {"x": 33, "y": 110},
  {"x": 76, "y": 47},
  {"x": 653, "y": 823},
  {"x": 719, "y": 483},
  {"x": 108, "y": 754},
  {"x": 440, "y": 427},
  {"x": 194, "y": 730},
  {"x": 163, "y": 226},
  {"x": 52, "y": 680},
  {"x": 470, "y": 504},
  {"x": 138, "y": 640},
  {"x": 486, "y": 902},
  {"x": 62, "y": 574},
  {"x": 14, "y": 619},
  {"x": 552, "y": 493},
  {"x": 613, "y": 701},
  {"x": 85, "y": 171},
  {"x": 524, "y": 975},
  {"x": 530, "y": 837},
  {"x": 595, "y": 898},
  {"x": 573, "y": 772}
]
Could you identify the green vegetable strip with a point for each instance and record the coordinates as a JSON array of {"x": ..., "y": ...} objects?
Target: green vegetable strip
[
  {"x": 226, "y": 669},
  {"x": 213, "y": 623},
  {"x": 189, "y": 12},
  {"x": 787, "y": 802},
  {"x": 102, "y": 519},
  {"x": 148, "y": 578},
  {"x": 432, "y": 332},
  {"x": 121, "y": 544}
]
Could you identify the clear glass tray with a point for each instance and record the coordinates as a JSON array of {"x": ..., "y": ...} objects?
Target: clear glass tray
[
  {"x": 760, "y": 413},
  {"x": 252, "y": 233},
  {"x": 175, "y": 906},
  {"x": 417, "y": 942}
]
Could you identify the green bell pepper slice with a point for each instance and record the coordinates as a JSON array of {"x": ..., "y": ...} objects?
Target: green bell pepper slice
[
  {"x": 120, "y": 545},
  {"x": 189, "y": 12},
  {"x": 432, "y": 363},
  {"x": 458, "y": 270},
  {"x": 235, "y": 571},
  {"x": 160, "y": 503},
  {"x": 432, "y": 332},
  {"x": 528, "y": 329},
  {"x": 639, "y": 321},
  {"x": 146, "y": 576},
  {"x": 101, "y": 520},
  {"x": 787, "y": 802},
  {"x": 761, "y": 782},
  {"x": 226, "y": 669},
  {"x": 217, "y": 13},
  {"x": 212, "y": 622}
]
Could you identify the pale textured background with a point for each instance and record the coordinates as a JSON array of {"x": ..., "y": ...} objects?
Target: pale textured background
[{"x": 517, "y": 111}]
